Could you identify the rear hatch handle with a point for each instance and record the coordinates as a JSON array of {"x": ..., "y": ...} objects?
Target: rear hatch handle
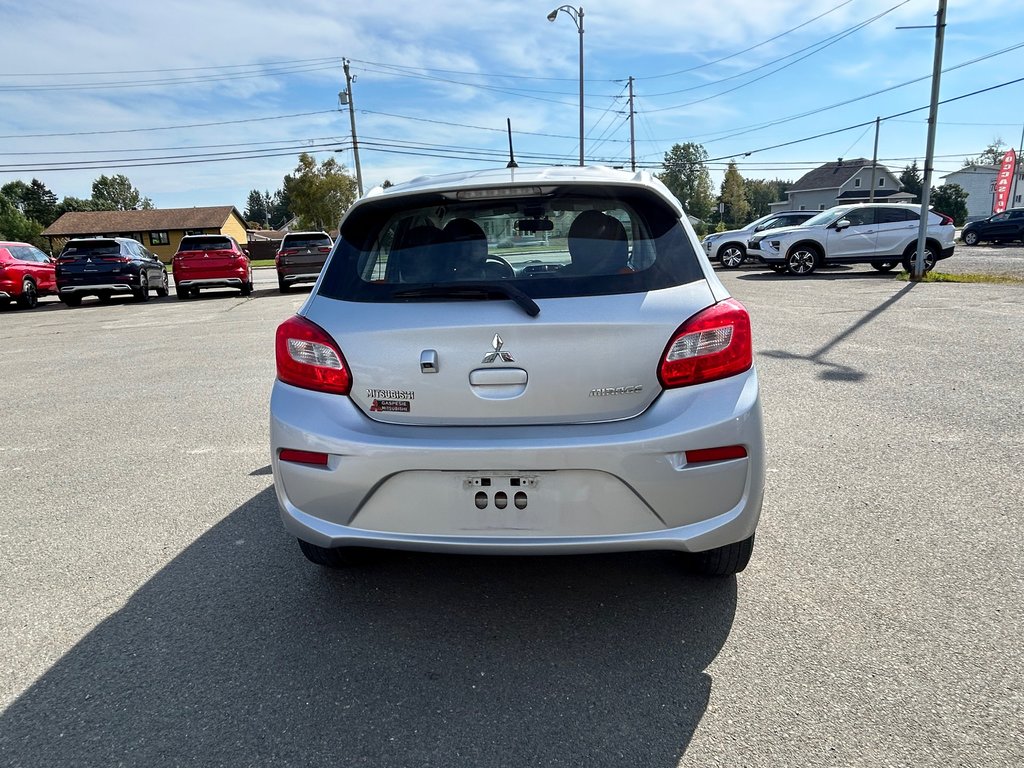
[{"x": 471, "y": 291}]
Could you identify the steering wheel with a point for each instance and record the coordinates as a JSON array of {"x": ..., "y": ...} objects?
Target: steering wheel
[{"x": 497, "y": 268}]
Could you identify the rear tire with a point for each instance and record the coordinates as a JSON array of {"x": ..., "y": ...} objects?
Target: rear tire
[
  {"x": 723, "y": 561},
  {"x": 29, "y": 298},
  {"x": 105, "y": 297},
  {"x": 183, "y": 293},
  {"x": 142, "y": 292},
  {"x": 282, "y": 286},
  {"x": 72, "y": 300},
  {"x": 246, "y": 289},
  {"x": 930, "y": 257}
]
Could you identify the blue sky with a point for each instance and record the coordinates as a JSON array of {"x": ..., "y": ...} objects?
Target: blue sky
[{"x": 163, "y": 93}]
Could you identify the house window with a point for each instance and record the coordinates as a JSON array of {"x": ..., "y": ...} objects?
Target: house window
[
  {"x": 856, "y": 182},
  {"x": 881, "y": 182},
  {"x": 821, "y": 206},
  {"x": 803, "y": 207},
  {"x": 159, "y": 238}
]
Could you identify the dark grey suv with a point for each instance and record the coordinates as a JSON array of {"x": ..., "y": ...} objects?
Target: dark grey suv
[
  {"x": 107, "y": 266},
  {"x": 301, "y": 257}
]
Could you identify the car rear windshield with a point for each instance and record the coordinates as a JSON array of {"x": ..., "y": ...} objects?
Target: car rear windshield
[
  {"x": 552, "y": 242},
  {"x": 212, "y": 243},
  {"x": 93, "y": 248},
  {"x": 305, "y": 241}
]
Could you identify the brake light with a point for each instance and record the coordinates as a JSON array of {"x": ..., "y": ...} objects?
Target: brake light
[
  {"x": 116, "y": 259},
  {"x": 309, "y": 358},
  {"x": 945, "y": 220},
  {"x": 324, "y": 249},
  {"x": 713, "y": 344}
]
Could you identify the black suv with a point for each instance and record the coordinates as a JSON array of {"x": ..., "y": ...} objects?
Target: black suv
[
  {"x": 301, "y": 257},
  {"x": 1002, "y": 227},
  {"x": 105, "y": 266}
]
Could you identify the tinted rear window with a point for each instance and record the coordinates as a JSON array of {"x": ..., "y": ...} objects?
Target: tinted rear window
[
  {"x": 305, "y": 242},
  {"x": 96, "y": 248},
  {"x": 569, "y": 241},
  {"x": 212, "y": 243}
]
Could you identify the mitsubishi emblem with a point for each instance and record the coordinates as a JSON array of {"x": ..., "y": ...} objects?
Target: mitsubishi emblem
[{"x": 498, "y": 354}]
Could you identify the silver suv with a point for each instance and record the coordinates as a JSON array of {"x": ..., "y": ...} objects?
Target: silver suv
[
  {"x": 883, "y": 235},
  {"x": 585, "y": 386}
]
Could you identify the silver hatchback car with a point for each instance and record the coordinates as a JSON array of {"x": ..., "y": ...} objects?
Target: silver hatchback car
[{"x": 519, "y": 362}]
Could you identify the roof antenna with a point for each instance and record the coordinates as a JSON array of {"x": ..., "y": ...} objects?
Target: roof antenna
[{"x": 511, "y": 156}]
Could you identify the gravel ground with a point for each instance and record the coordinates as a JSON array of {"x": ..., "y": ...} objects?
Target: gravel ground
[{"x": 1003, "y": 260}]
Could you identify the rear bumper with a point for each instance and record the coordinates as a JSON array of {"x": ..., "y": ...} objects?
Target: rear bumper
[
  {"x": 298, "y": 277},
  {"x": 209, "y": 282},
  {"x": 95, "y": 288},
  {"x": 614, "y": 486}
]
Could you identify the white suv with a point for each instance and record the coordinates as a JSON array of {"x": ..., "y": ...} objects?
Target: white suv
[
  {"x": 729, "y": 248},
  {"x": 883, "y": 235}
]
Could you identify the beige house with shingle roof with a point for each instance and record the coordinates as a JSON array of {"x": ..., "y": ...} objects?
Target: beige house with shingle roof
[{"x": 160, "y": 230}]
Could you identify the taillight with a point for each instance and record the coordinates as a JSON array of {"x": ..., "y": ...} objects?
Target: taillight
[
  {"x": 308, "y": 357},
  {"x": 287, "y": 252},
  {"x": 723, "y": 453},
  {"x": 116, "y": 259},
  {"x": 324, "y": 249},
  {"x": 945, "y": 220},
  {"x": 711, "y": 345}
]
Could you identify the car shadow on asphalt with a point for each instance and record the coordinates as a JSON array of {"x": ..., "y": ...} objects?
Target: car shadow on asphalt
[
  {"x": 239, "y": 652},
  {"x": 824, "y": 273}
]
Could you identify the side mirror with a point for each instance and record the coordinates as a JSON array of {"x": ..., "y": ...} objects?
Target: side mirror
[{"x": 842, "y": 224}]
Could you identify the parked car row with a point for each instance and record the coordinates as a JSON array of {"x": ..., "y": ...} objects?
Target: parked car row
[
  {"x": 105, "y": 267},
  {"x": 883, "y": 235}
]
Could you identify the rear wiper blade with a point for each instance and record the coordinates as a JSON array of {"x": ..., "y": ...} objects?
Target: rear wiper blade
[{"x": 471, "y": 290}]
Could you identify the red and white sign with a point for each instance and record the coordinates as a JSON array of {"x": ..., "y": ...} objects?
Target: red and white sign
[{"x": 1004, "y": 181}]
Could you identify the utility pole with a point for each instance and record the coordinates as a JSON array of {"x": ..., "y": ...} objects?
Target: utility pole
[
  {"x": 346, "y": 97},
  {"x": 632, "y": 129},
  {"x": 874, "y": 161},
  {"x": 933, "y": 115}
]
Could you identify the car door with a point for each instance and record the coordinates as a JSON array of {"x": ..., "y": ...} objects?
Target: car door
[
  {"x": 998, "y": 227},
  {"x": 895, "y": 228},
  {"x": 855, "y": 239},
  {"x": 35, "y": 264}
]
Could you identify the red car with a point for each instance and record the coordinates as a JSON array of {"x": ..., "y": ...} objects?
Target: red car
[
  {"x": 211, "y": 261},
  {"x": 26, "y": 273}
]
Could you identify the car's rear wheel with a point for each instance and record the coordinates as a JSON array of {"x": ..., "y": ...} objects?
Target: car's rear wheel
[
  {"x": 71, "y": 300},
  {"x": 142, "y": 292},
  {"x": 970, "y": 238},
  {"x": 246, "y": 288},
  {"x": 182, "y": 293},
  {"x": 802, "y": 260},
  {"x": 282, "y": 286},
  {"x": 731, "y": 255},
  {"x": 29, "y": 297},
  {"x": 105, "y": 298},
  {"x": 722, "y": 561},
  {"x": 885, "y": 266},
  {"x": 334, "y": 557},
  {"x": 910, "y": 255}
]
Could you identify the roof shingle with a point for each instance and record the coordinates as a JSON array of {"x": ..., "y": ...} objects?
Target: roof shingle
[{"x": 155, "y": 220}]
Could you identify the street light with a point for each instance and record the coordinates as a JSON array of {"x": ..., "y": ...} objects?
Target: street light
[{"x": 576, "y": 14}]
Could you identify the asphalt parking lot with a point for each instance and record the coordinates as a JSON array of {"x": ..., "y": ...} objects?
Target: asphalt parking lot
[{"x": 154, "y": 613}]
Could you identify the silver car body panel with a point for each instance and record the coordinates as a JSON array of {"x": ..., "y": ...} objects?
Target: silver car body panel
[{"x": 571, "y": 446}]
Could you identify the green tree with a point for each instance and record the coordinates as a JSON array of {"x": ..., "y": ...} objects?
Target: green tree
[
  {"x": 257, "y": 208},
  {"x": 116, "y": 193},
  {"x": 280, "y": 209},
  {"x": 14, "y": 225},
  {"x": 319, "y": 195},
  {"x": 912, "y": 181},
  {"x": 950, "y": 199},
  {"x": 733, "y": 195},
  {"x": 761, "y": 193},
  {"x": 992, "y": 154},
  {"x": 73, "y": 204},
  {"x": 687, "y": 178},
  {"x": 34, "y": 200}
]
